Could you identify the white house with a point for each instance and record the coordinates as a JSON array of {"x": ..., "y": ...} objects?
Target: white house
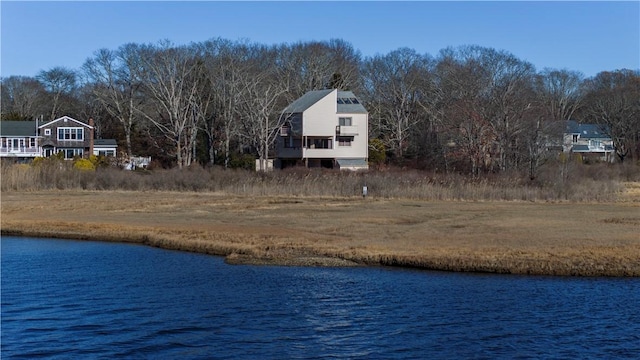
[
  {"x": 324, "y": 128},
  {"x": 589, "y": 141}
]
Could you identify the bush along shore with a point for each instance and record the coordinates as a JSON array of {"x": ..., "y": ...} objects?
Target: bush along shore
[{"x": 515, "y": 237}]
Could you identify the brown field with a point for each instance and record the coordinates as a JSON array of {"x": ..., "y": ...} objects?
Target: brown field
[{"x": 521, "y": 237}]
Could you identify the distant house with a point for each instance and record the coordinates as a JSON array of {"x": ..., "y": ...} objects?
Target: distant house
[
  {"x": 25, "y": 140},
  {"x": 67, "y": 135},
  {"x": 588, "y": 140},
  {"x": 324, "y": 128}
]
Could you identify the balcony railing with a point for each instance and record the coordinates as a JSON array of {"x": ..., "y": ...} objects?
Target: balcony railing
[
  {"x": 5, "y": 151},
  {"x": 347, "y": 130},
  {"x": 19, "y": 150}
]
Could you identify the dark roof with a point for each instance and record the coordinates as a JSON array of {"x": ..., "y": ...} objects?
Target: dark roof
[
  {"x": 305, "y": 101},
  {"x": 17, "y": 128},
  {"x": 105, "y": 142},
  {"x": 352, "y": 106},
  {"x": 587, "y": 131}
]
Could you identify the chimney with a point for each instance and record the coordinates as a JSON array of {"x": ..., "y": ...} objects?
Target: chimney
[{"x": 91, "y": 132}]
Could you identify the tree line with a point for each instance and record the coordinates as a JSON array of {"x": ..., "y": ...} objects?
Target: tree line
[{"x": 469, "y": 109}]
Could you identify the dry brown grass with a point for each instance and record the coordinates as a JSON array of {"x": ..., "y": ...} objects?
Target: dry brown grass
[
  {"x": 589, "y": 239},
  {"x": 602, "y": 183}
]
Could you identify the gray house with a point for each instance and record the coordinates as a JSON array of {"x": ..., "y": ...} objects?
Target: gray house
[
  {"x": 589, "y": 141},
  {"x": 324, "y": 128},
  {"x": 25, "y": 140},
  {"x": 67, "y": 135}
]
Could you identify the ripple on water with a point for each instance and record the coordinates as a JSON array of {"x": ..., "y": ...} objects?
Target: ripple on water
[{"x": 68, "y": 299}]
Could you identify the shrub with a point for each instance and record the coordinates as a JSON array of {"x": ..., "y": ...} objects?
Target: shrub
[
  {"x": 242, "y": 161},
  {"x": 84, "y": 164},
  {"x": 377, "y": 152}
]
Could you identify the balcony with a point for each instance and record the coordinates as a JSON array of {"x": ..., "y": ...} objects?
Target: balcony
[
  {"x": 20, "y": 151},
  {"x": 346, "y": 130}
]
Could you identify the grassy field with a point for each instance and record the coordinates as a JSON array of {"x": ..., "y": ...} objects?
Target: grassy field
[{"x": 521, "y": 237}]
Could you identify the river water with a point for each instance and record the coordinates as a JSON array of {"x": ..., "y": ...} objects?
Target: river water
[{"x": 74, "y": 299}]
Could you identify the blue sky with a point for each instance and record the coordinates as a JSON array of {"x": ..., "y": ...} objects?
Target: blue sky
[{"x": 585, "y": 36}]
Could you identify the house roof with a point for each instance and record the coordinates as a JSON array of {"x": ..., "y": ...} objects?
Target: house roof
[
  {"x": 587, "y": 131},
  {"x": 66, "y": 119},
  {"x": 17, "y": 128},
  {"x": 105, "y": 143},
  {"x": 305, "y": 101},
  {"x": 348, "y": 103},
  {"x": 350, "y": 106}
]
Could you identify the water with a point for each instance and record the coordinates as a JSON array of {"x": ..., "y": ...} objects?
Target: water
[{"x": 70, "y": 299}]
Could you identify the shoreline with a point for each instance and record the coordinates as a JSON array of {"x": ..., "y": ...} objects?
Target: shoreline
[
  {"x": 462, "y": 263},
  {"x": 488, "y": 237}
]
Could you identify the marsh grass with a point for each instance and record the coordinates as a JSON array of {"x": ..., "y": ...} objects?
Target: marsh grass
[
  {"x": 600, "y": 183},
  {"x": 523, "y": 237}
]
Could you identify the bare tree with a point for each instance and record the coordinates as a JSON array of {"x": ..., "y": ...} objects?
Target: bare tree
[
  {"x": 469, "y": 137},
  {"x": 560, "y": 93},
  {"x": 558, "y": 96},
  {"x": 59, "y": 82},
  {"x": 613, "y": 100},
  {"x": 21, "y": 98},
  {"x": 395, "y": 82},
  {"x": 317, "y": 65},
  {"x": 171, "y": 77},
  {"x": 115, "y": 75},
  {"x": 227, "y": 67},
  {"x": 262, "y": 94},
  {"x": 500, "y": 95},
  {"x": 510, "y": 100}
]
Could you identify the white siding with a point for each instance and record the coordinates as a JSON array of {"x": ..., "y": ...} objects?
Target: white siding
[
  {"x": 320, "y": 119},
  {"x": 359, "y": 145}
]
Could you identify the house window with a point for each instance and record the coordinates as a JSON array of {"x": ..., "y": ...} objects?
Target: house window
[
  {"x": 47, "y": 132},
  {"x": 347, "y": 101},
  {"x": 16, "y": 144},
  {"x": 344, "y": 121},
  {"x": 106, "y": 153},
  {"x": 73, "y": 134},
  {"x": 71, "y": 153},
  {"x": 345, "y": 141},
  {"x": 32, "y": 142},
  {"x": 318, "y": 143},
  {"x": 575, "y": 138},
  {"x": 292, "y": 143}
]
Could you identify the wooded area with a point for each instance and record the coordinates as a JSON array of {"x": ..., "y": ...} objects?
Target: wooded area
[{"x": 468, "y": 109}]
